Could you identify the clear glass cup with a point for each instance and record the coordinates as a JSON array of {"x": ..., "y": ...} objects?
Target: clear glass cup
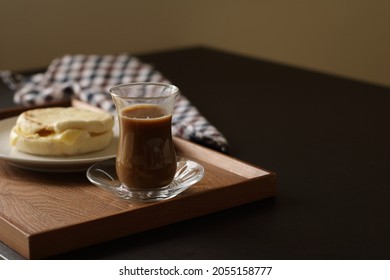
[{"x": 146, "y": 160}]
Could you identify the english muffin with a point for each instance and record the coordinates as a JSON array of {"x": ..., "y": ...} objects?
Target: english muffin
[{"x": 62, "y": 131}]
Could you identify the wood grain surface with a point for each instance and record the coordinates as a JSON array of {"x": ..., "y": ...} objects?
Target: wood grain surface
[{"x": 43, "y": 214}]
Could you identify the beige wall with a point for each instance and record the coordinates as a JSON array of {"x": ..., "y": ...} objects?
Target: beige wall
[{"x": 348, "y": 38}]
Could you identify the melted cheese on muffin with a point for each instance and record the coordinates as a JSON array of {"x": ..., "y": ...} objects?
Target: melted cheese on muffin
[{"x": 62, "y": 131}]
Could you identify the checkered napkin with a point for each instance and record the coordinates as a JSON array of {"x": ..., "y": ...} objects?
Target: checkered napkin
[{"x": 89, "y": 77}]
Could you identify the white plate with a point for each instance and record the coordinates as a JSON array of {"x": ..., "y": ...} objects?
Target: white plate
[{"x": 51, "y": 164}]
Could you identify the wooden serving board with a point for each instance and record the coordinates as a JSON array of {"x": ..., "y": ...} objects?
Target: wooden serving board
[{"x": 44, "y": 214}]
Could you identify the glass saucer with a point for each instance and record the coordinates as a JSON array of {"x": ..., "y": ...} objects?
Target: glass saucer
[{"x": 188, "y": 173}]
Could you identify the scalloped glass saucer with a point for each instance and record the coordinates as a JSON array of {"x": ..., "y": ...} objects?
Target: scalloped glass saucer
[{"x": 188, "y": 173}]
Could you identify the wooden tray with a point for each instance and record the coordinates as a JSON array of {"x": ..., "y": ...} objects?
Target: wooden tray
[{"x": 43, "y": 214}]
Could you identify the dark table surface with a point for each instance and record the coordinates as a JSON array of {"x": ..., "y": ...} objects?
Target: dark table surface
[{"x": 328, "y": 140}]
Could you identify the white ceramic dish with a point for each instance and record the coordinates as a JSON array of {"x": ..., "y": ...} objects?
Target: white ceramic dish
[{"x": 51, "y": 164}]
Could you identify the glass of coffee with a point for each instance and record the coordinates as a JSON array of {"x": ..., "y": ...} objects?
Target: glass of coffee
[{"x": 146, "y": 160}]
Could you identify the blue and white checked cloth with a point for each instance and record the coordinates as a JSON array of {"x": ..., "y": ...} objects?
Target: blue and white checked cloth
[{"x": 89, "y": 77}]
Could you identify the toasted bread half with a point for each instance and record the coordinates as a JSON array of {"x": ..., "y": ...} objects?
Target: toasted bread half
[{"x": 62, "y": 131}]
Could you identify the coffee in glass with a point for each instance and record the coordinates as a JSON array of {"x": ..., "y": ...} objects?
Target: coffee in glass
[{"x": 146, "y": 159}]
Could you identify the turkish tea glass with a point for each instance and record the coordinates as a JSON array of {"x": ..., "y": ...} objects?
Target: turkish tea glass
[{"x": 145, "y": 160}]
